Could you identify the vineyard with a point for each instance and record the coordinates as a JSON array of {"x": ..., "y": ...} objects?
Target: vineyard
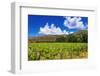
[{"x": 53, "y": 51}]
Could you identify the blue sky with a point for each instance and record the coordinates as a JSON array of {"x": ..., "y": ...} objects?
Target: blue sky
[{"x": 55, "y": 25}]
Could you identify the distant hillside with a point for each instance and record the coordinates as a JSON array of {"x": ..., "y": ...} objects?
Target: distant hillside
[
  {"x": 45, "y": 38},
  {"x": 80, "y": 36}
]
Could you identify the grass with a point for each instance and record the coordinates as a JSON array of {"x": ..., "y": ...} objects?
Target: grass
[{"x": 53, "y": 51}]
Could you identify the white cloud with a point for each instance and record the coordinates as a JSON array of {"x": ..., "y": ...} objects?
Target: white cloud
[
  {"x": 52, "y": 30},
  {"x": 45, "y": 30},
  {"x": 71, "y": 32},
  {"x": 74, "y": 23},
  {"x": 65, "y": 32}
]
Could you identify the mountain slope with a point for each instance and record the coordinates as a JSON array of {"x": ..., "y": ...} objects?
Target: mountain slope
[{"x": 79, "y": 36}]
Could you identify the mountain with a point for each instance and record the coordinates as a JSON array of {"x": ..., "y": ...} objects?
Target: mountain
[
  {"x": 45, "y": 38},
  {"x": 77, "y": 36}
]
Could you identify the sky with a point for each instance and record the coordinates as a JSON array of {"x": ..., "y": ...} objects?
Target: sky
[{"x": 55, "y": 25}]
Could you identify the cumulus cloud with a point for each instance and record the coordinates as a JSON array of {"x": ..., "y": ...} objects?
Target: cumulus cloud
[
  {"x": 52, "y": 30},
  {"x": 71, "y": 32},
  {"x": 74, "y": 23}
]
